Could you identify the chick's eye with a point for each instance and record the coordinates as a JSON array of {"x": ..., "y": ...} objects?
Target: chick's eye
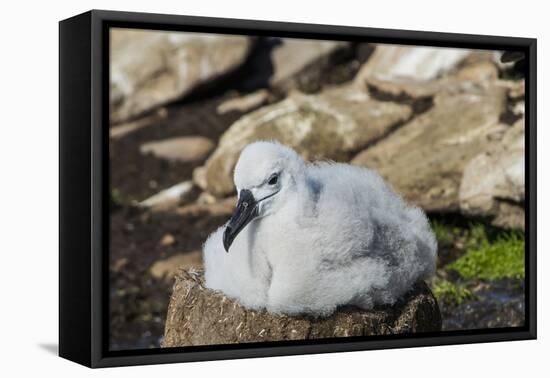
[{"x": 273, "y": 179}]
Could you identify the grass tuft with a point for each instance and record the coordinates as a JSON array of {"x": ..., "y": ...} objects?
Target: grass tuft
[
  {"x": 492, "y": 260},
  {"x": 451, "y": 293}
]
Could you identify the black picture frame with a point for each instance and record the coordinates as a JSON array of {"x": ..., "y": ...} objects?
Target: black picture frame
[{"x": 84, "y": 186}]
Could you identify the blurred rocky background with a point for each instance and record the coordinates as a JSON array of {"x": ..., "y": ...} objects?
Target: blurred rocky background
[{"x": 444, "y": 126}]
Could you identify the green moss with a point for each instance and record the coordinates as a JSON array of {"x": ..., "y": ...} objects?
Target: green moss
[
  {"x": 449, "y": 292},
  {"x": 488, "y": 259}
]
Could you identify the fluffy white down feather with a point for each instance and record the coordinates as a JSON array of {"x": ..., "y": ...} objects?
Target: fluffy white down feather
[{"x": 333, "y": 234}]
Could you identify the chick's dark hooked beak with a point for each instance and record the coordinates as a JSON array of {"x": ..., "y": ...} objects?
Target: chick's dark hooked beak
[{"x": 246, "y": 211}]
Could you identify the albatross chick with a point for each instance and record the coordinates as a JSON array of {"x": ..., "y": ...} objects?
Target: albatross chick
[{"x": 306, "y": 238}]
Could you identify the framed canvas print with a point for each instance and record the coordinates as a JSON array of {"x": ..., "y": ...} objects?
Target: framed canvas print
[{"x": 234, "y": 188}]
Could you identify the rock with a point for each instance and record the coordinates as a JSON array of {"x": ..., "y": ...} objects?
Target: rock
[
  {"x": 200, "y": 316},
  {"x": 117, "y": 132},
  {"x": 424, "y": 159},
  {"x": 206, "y": 198},
  {"x": 493, "y": 183},
  {"x": 219, "y": 208},
  {"x": 509, "y": 215},
  {"x": 517, "y": 90},
  {"x": 476, "y": 67},
  {"x": 292, "y": 56},
  {"x": 332, "y": 125},
  {"x": 390, "y": 62},
  {"x": 150, "y": 68},
  {"x": 167, "y": 240},
  {"x": 199, "y": 177},
  {"x": 478, "y": 71},
  {"x": 166, "y": 269},
  {"x": 516, "y": 101},
  {"x": 186, "y": 149},
  {"x": 244, "y": 104},
  {"x": 518, "y": 109},
  {"x": 119, "y": 264},
  {"x": 169, "y": 198},
  {"x": 404, "y": 88}
]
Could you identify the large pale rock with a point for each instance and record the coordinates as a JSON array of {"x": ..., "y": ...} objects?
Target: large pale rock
[
  {"x": 493, "y": 183},
  {"x": 424, "y": 160},
  {"x": 333, "y": 125},
  {"x": 421, "y": 63},
  {"x": 199, "y": 316},
  {"x": 185, "y": 149},
  {"x": 292, "y": 56},
  {"x": 477, "y": 70},
  {"x": 150, "y": 68}
]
